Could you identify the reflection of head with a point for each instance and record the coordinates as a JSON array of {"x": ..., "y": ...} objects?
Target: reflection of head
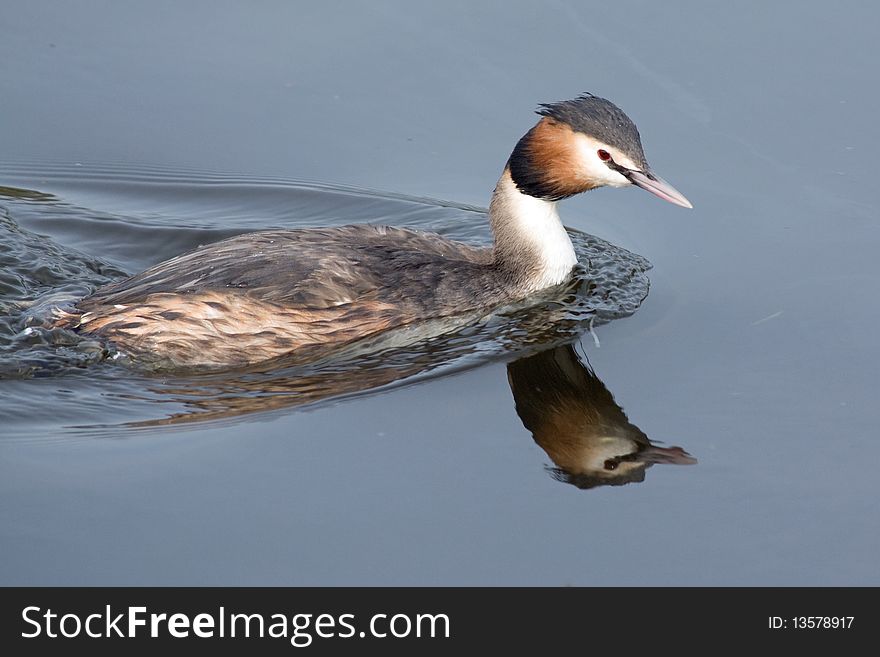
[{"x": 575, "y": 420}]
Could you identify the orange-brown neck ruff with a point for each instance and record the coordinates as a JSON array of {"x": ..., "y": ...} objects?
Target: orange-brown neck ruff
[{"x": 546, "y": 162}]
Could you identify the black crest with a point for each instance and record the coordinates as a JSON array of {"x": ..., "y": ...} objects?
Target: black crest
[{"x": 601, "y": 119}]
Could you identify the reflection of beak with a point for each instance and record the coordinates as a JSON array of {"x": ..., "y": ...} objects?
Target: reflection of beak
[
  {"x": 655, "y": 454},
  {"x": 657, "y": 186}
]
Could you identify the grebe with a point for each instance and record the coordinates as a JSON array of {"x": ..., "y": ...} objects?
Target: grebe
[
  {"x": 573, "y": 417},
  {"x": 262, "y": 295}
]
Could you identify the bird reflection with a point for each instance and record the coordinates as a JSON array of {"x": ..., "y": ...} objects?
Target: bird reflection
[
  {"x": 571, "y": 414},
  {"x": 575, "y": 420}
]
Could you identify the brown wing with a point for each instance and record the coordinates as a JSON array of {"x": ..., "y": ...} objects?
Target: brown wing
[{"x": 308, "y": 268}]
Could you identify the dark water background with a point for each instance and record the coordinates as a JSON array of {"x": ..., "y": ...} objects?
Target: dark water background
[{"x": 129, "y": 133}]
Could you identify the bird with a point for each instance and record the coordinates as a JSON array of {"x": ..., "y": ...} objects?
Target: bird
[
  {"x": 272, "y": 293},
  {"x": 574, "y": 418}
]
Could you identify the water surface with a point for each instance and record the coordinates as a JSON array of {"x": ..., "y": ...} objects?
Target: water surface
[{"x": 755, "y": 351}]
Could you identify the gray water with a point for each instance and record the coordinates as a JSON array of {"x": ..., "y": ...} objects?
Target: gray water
[{"x": 131, "y": 132}]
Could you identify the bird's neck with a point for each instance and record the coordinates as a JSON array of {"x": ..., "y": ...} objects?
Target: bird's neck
[{"x": 530, "y": 241}]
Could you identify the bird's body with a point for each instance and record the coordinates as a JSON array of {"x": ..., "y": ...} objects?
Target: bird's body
[{"x": 266, "y": 294}]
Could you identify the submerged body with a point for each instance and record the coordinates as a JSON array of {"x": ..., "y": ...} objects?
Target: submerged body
[{"x": 267, "y": 294}]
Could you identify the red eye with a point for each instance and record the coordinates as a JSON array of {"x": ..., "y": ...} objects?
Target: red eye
[{"x": 603, "y": 155}]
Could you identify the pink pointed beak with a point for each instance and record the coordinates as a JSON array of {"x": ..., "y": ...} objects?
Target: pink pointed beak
[
  {"x": 657, "y": 186},
  {"x": 657, "y": 454}
]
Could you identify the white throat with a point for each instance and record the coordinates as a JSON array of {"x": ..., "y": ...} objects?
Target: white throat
[{"x": 529, "y": 237}]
